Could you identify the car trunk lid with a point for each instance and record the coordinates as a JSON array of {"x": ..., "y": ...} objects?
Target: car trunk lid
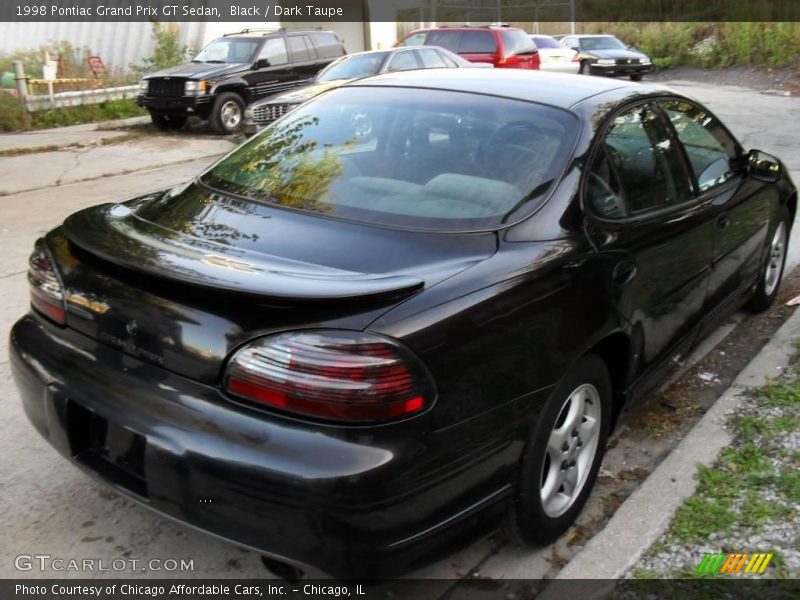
[{"x": 180, "y": 278}]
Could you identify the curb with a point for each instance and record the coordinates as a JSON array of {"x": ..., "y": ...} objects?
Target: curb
[{"x": 647, "y": 513}]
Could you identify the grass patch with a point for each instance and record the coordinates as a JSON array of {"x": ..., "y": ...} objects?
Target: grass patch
[
  {"x": 89, "y": 113},
  {"x": 699, "y": 517}
]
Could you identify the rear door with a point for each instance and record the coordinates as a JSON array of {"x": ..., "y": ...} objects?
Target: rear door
[
  {"x": 273, "y": 72},
  {"x": 303, "y": 57},
  {"x": 739, "y": 207},
  {"x": 658, "y": 239}
]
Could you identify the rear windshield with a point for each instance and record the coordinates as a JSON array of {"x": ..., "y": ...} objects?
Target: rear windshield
[
  {"x": 352, "y": 67},
  {"x": 543, "y": 41},
  {"x": 516, "y": 41},
  {"x": 403, "y": 157}
]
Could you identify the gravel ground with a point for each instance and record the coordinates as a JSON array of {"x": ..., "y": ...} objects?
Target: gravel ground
[
  {"x": 779, "y": 81},
  {"x": 751, "y": 497}
]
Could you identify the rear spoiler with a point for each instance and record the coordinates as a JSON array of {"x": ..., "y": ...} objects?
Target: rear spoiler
[{"x": 115, "y": 234}]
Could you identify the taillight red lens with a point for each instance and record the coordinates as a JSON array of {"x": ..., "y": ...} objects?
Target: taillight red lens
[
  {"x": 336, "y": 375},
  {"x": 47, "y": 294}
]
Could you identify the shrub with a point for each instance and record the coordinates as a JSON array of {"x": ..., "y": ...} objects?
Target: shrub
[
  {"x": 168, "y": 50},
  {"x": 13, "y": 116}
]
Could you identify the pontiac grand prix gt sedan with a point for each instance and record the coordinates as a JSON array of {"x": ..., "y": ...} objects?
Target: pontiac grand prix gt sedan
[{"x": 363, "y": 351}]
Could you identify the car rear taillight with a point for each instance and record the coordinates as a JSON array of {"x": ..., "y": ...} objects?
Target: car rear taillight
[
  {"x": 47, "y": 293},
  {"x": 335, "y": 375}
]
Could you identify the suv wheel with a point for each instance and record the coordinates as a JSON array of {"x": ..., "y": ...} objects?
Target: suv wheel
[
  {"x": 167, "y": 122},
  {"x": 228, "y": 113}
]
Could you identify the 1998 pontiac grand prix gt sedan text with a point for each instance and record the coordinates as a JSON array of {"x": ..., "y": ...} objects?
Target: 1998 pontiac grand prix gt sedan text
[{"x": 370, "y": 346}]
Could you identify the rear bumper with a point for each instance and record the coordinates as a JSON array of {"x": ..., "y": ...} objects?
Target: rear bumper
[
  {"x": 200, "y": 105},
  {"x": 352, "y": 502}
]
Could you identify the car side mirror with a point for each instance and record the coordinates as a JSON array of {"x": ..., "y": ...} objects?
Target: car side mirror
[
  {"x": 763, "y": 167},
  {"x": 262, "y": 63}
]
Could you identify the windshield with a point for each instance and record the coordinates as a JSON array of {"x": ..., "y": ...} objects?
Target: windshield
[
  {"x": 353, "y": 67},
  {"x": 516, "y": 41},
  {"x": 404, "y": 157},
  {"x": 543, "y": 41},
  {"x": 602, "y": 43},
  {"x": 228, "y": 50}
]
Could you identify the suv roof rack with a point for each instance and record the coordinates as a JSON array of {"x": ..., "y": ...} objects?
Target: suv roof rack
[
  {"x": 268, "y": 30},
  {"x": 472, "y": 26}
]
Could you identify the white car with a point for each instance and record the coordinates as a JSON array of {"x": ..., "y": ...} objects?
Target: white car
[{"x": 555, "y": 57}]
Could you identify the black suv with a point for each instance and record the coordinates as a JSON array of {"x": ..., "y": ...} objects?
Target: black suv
[{"x": 233, "y": 71}]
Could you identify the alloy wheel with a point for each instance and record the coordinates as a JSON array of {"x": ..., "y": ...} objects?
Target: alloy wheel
[
  {"x": 777, "y": 252},
  {"x": 571, "y": 449}
]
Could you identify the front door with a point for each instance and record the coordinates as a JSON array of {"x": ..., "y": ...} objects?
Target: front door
[{"x": 272, "y": 71}]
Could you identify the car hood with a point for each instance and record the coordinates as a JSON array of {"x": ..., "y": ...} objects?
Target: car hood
[
  {"x": 304, "y": 93},
  {"x": 616, "y": 53},
  {"x": 198, "y": 70}
]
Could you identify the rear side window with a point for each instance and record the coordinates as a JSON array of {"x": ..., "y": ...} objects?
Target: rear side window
[
  {"x": 299, "y": 48},
  {"x": 274, "y": 50},
  {"x": 418, "y": 39},
  {"x": 403, "y": 61},
  {"x": 405, "y": 157},
  {"x": 477, "y": 42},
  {"x": 328, "y": 45},
  {"x": 712, "y": 152},
  {"x": 430, "y": 58},
  {"x": 446, "y": 39}
]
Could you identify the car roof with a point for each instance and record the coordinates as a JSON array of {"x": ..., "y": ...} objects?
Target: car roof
[
  {"x": 591, "y": 35},
  {"x": 561, "y": 90}
]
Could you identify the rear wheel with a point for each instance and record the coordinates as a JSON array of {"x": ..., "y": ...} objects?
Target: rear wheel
[
  {"x": 227, "y": 114},
  {"x": 772, "y": 272},
  {"x": 167, "y": 122},
  {"x": 563, "y": 454}
]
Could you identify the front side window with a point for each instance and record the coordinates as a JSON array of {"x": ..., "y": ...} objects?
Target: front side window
[
  {"x": 605, "y": 42},
  {"x": 405, "y": 157},
  {"x": 642, "y": 154},
  {"x": 712, "y": 152},
  {"x": 274, "y": 51}
]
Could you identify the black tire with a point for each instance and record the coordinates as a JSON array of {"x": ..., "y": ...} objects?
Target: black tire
[
  {"x": 584, "y": 69},
  {"x": 637, "y": 77},
  {"x": 529, "y": 521},
  {"x": 227, "y": 115},
  {"x": 168, "y": 122},
  {"x": 767, "y": 287}
]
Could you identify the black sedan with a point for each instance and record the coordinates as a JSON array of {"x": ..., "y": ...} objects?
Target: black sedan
[
  {"x": 359, "y": 352},
  {"x": 349, "y": 68},
  {"x": 606, "y": 55}
]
